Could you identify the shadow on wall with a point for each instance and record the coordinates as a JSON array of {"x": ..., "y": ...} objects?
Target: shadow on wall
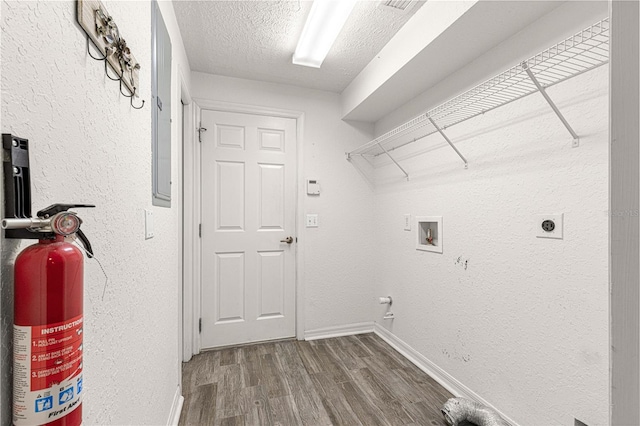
[{"x": 10, "y": 249}]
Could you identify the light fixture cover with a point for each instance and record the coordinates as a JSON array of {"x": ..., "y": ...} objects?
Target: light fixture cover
[{"x": 324, "y": 23}]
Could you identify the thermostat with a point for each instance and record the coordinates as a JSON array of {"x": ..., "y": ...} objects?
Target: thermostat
[{"x": 313, "y": 187}]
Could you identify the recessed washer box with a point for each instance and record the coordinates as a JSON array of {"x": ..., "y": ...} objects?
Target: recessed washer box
[{"x": 429, "y": 233}]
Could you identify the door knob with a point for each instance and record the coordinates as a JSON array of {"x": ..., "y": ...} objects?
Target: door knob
[{"x": 287, "y": 240}]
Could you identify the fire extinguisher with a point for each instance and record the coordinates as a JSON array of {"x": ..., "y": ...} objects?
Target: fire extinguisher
[
  {"x": 48, "y": 302},
  {"x": 48, "y": 320}
]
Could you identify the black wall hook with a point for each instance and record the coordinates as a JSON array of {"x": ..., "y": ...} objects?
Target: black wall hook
[
  {"x": 106, "y": 71},
  {"x": 131, "y": 96},
  {"x": 135, "y": 107},
  {"x": 124, "y": 94},
  {"x": 104, "y": 58}
]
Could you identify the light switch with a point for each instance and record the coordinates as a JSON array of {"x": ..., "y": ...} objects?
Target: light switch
[
  {"x": 148, "y": 224},
  {"x": 312, "y": 221},
  {"x": 407, "y": 222}
]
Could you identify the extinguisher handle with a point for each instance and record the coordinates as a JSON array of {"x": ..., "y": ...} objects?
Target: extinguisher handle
[
  {"x": 57, "y": 208},
  {"x": 85, "y": 242}
]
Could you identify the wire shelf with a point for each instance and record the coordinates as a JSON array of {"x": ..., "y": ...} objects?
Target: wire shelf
[{"x": 576, "y": 55}]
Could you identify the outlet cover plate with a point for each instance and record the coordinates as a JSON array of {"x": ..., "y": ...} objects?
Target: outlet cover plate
[
  {"x": 407, "y": 222},
  {"x": 312, "y": 221},
  {"x": 557, "y": 220}
]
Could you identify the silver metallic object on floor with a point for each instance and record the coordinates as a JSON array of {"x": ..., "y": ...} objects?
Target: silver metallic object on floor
[{"x": 457, "y": 410}]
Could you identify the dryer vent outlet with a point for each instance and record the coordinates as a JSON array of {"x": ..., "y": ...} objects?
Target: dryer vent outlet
[{"x": 548, "y": 225}]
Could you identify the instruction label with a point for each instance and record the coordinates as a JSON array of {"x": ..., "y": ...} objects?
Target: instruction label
[{"x": 47, "y": 371}]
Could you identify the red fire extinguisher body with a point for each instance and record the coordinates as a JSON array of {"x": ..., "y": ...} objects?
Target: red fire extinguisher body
[{"x": 48, "y": 329}]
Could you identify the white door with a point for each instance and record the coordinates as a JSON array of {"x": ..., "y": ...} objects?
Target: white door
[{"x": 248, "y": 214}]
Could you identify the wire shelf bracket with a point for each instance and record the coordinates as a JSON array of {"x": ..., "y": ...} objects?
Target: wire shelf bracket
[
  {"x": 543, "y": 92},
  {"x": 466, "y": 163},
  {"x": 573, "y": 56},
  {"x": 406, "y": 175}
]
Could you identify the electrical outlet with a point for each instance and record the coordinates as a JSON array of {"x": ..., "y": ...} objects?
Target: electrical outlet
[
  {"x": 407, "y": 222},
  {"x": 148, "y": 224},
  {"x": 549, "y": 225}
]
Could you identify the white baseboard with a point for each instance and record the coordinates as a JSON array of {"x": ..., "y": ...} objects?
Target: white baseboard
[
  {"x": 340, "y": 330},
  {"x": 437, "y": 373},
  {"x": 176, "y": 408}
]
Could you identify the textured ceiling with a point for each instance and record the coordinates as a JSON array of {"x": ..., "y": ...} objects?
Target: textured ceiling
[{"x": 256, "y": 40}]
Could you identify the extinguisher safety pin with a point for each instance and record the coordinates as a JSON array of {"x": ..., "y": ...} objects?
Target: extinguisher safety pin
[{"x": 91, "y": 256}]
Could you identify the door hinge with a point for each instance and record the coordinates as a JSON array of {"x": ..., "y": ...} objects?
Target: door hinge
[
  {"x": 200, "y": 230},
  {"x": 200, "y": 325}
]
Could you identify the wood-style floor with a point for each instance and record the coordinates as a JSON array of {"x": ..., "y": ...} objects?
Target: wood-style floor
[{"x": 353, "y": 380}]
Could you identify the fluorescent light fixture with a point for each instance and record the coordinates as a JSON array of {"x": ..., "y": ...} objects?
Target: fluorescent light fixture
[{"x": 324, "y": 23}]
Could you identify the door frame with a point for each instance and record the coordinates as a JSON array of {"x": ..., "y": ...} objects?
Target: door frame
[
  {"x": 624, "y": 203},
  {"x": 192, "y": 204},
  {"x": 185, "y": 217}
]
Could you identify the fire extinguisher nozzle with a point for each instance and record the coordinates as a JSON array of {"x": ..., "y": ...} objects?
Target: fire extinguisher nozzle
[{"x": 24, "y": 223}]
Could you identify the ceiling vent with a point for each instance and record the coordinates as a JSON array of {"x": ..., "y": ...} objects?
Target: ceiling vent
[{"x": 399, "y": 5}]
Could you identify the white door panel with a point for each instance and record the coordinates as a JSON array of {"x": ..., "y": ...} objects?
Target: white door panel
[{"x": 248, "y": 207}]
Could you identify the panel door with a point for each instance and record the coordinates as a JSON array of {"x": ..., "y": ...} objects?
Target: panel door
[{"x": 248, "y": 213}]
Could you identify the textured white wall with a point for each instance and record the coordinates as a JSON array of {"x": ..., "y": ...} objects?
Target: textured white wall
[
  {"x": 525, "y": 325},
  {"x": 337, "y": 255},
  {"x": 88, "y": 145}
]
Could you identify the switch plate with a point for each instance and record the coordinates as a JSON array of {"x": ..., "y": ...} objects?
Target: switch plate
[
  {"x": 407, "y": 222},
  {"x": 148, "y": 224},
  {"x": 312, "y": 221},
  {"x": 549, "y": 225}
]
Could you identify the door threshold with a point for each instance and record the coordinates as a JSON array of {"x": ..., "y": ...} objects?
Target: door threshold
[{"x": 241, "y": 345}]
